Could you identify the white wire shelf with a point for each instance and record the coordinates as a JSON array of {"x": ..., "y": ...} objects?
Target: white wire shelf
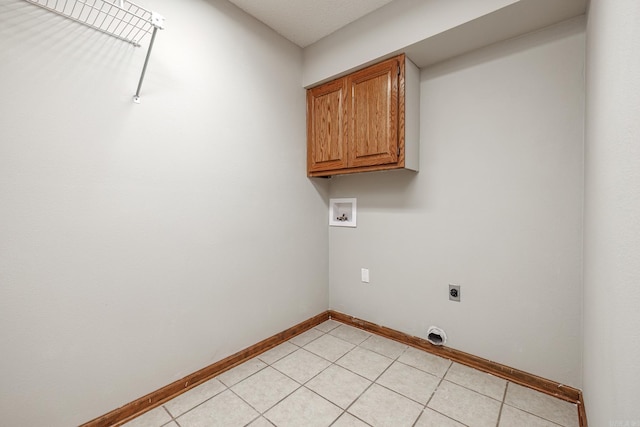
[{"x": 119, "y": 18}]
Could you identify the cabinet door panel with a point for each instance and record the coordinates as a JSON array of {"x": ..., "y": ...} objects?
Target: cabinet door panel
[
  {"x": 373, "y": 115},
  {"x": 326, "y": 127}
]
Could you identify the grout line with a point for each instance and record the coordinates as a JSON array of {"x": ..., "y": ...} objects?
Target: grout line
[
  {"x": 525, "y": 379},
  {"x": 401, "y": 394},
  {"x": 270, "y": 407},
  {"x": 358, "y": 398},
  {"x": 335, "y": 364},
  {"x": 248, "y": 376},
  {"x": 339, "y": 416},
  {"x": 303, "y": 385},
  {"x": 422, "y": 370},
  {"x": 300, "y": 385},
  {"x": 335, "y": 327},
  {"x": 344, "y": 411},
  {"x": 418, "y": 419},
  {"x": 538, "y": 415},
  {"x": 301, "y": 346},
  {"x": 199, "y": 404},
  {"x": 426, "y": 406},
  {"x": 393, "y": 360},
  {"x": 328, "y": 360},
  {"x": 339, "y": 326},
  {"x": 438, "y": 386},
  {"x": 372, "y": 382},
  {"x": 253, "y": 420},
  {"x": 319, "y": 372},
  {"x": 535, "y": 415},
  {"x": 167, "y": 411},
  {"x": 472, "y": 390},
  {"x": 369, "y": 386},
  {"x": 292, "y": 379},
  {"x": 295, "y": 380},
  {"x": 349, "y": 370},
  {"x": 377, "y": 352},
  {"x": 173, "y": 420},
  {"x": 281, "y": 357},
  {"x": 324, "y": 398},
  {"x": 504, "y": 396}
]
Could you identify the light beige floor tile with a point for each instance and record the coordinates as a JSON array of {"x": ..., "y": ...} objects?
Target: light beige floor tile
[
  {"x": 306, "y": 337},
  {"x": 329, "y": 347},
  {"x": 350, "y": 334},
  {"x": 192, "y": 398},
  {"x": 431, "y": 418},
  {"x": 542, "y": 405},
  {"x": 265, "y": 389},
  {"x": 383, "y": 346},
  {"x": 364, "y": 362},
  {"x": 512, "y": 417},
  {"x": 338, "y": 385},
  {"x": 479, "y": 381},
  {"x": 303, "y": 408},
  {"x": 154, "y": 418},
  {"x": 278, "y": 352},
  {"x": 466, "y": 397},
  {"x": 384, "y": 408},
  {"x": 301, "y": 365},
  {"x": 409, "y": 382},
  {"x": 348, "y": 420},
  {"x": 425, "y": 361},
  {"x": 261, "y": 422},
  {"x": 465, "y": 406},
  {"x": 240, "y": 372},
  {"x": 328, "y": 325},
  {"x": 223, "y": 410}
]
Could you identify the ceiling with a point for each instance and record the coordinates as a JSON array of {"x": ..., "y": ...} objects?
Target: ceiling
[{"x": 307, "y": 21}]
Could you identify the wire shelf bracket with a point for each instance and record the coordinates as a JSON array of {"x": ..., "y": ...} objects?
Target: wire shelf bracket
[{"x": 121, "y": 19}]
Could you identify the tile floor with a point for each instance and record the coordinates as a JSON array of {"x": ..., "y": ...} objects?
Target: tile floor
[{"x": 337, "y": 375}]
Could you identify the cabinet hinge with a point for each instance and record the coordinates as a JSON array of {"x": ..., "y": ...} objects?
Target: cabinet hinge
[{"x": 398, "y": 151}]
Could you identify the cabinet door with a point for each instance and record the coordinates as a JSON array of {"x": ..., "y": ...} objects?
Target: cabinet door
[
  {"x": 326, "y": 123},
  {"x": 372, "y": 110}
]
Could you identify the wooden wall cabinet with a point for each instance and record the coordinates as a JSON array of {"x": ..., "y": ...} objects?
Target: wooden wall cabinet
[{"x": 365, "y": 121}]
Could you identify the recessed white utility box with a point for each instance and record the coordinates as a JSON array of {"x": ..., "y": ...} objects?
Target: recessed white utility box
[{"x": 342, "y": 212}]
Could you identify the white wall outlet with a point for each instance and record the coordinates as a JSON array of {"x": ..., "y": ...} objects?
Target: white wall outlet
[{"x": 364, "y": 273}]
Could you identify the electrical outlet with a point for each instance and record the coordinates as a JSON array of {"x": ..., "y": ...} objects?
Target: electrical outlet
[
  {"x": 364, "y": 275},
  {"x": 454, "y": 293}
]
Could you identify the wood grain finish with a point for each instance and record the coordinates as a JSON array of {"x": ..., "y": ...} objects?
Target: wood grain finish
[
  {"x": 152, "y": 400},
  {"x": 582, "y": 412},
  {"x": 535, "y": 382},
  {"x": 326, "y": 126},
  {"x": 372, "y": 111}
]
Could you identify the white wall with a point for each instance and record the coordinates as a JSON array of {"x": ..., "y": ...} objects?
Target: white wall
[
  {"x": 140, "y": 243},
  {"x": 495, "y": 208},
  {"x": 612, "y": 215},
  {"x": 389, "y": 29}
]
